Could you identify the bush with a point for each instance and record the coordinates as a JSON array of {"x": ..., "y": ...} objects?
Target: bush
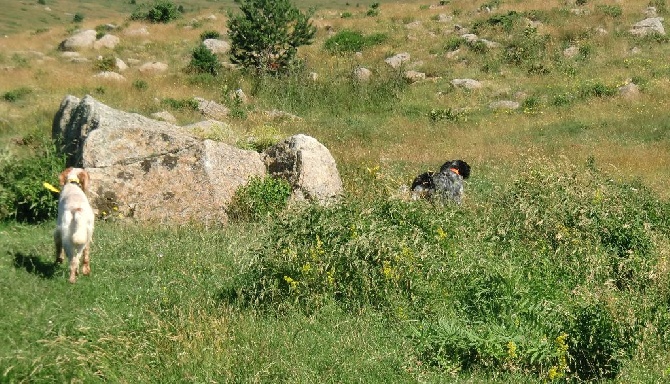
[
  {"x": 22, "y": 196},
  {"x": 16, "y": 94},
  {"x": 162, "y": 11},
  {"x": 203, "y": 60},
  {"x": 105, "y": 63},
  {"x": 266, "y": 36},
  {"x": 597, "y": 344},
  {"x": 260, "y": 198},
  {"x": 78, "y": 18},
  {"x": 180, "y": 104},
  {"x": 209, "y": 35},
  {"x": 352, "y": 41}
]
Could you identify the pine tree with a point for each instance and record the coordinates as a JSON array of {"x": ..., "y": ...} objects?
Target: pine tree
[{"x": 266, "y": 36}]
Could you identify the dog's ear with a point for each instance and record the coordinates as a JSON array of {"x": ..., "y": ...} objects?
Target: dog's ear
[
  {"x": 83, "y": 180},
  {"x": 463, "y": 169},
  {"x": 62, "y": 178}
]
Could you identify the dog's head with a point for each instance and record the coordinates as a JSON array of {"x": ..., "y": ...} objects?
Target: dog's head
[
  {"x": 459, "y": 167},
  {"x": 74, "y": 175}
]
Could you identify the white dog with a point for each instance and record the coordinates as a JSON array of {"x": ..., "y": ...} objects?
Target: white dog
[{"x": 74, "y": 228}]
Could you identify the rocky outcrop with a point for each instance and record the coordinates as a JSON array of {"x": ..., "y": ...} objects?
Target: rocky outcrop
[{"x": 156, "y": 171}]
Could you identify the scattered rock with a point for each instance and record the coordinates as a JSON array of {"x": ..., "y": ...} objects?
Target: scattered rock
[
  {"x": 466, "y": 83},
  {"x": 414, "y": 76},
  {"x": 165, "y": 116},
  {"x": 362, "y": 74},
  {"x": 629, "y": 90},
  {"x": 79, "y": 41},
  {"x": 211, "y": 109},
  {"x": 109, "y": 75},
  {"x": 397, "y": 60},
  {"x": 649, "y": 26},
  {"x": 107, "y": 41},
  {"x": 504, "y": 105},
  {"x": 153, "y": 67},
  {"x": 217, "y": 46}
]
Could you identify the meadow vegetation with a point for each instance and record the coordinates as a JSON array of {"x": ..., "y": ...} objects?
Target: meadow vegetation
[{"x": 556, "y": 267}]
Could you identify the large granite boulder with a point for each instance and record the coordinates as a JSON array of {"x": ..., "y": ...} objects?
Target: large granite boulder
[{"x": 149, "y": 169}]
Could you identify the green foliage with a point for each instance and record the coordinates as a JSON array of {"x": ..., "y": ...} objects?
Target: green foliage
[
  {"x": 259, "y": 199},
  {"x": 352, "y": 41},
  {"x": 489, "y": 287},
  {"x": 140, "y": 84},
  {"x": 298, "y": 94},
  {"x": 16, "y": 94},
  {"x": 661, "y": 6},
  {"x": 22, "y": 196},
  {"x": 161, "y": 11},
  {"x": 373, "y": 10},
  {"x": 266, "y": 35},
  {"x": 352, "y": 253},
  {"x": 454, "y": 42},
  {"x": 78, "y": 17},
  {"x": 209, "y": 35},
  {"x": 526, "y": 49},
  {"x": 203, "y": 60},
  {"x": 596, "y": 89},
  {"x": 613, "y": 11},
  {"x": 105, "y": 63},
  {"x": 507, "y": 22},
  {"x": 448, "y": 114},
  {"x": 180, "y": 104},
  {"x": 598, "y": 345}
]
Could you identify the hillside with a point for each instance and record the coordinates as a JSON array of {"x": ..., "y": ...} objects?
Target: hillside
[{"x": 554, "y": 268}]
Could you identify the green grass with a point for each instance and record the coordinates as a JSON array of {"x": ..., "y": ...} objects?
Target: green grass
[
  {"x": 557, "y": 259},
  {"x": 565, "y": 269}
]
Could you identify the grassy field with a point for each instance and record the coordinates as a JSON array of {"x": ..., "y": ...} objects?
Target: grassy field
[{"x": 555, "y": 268}]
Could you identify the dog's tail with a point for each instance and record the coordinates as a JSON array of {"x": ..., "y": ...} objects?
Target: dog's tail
[{"x": 79, "y": 227}]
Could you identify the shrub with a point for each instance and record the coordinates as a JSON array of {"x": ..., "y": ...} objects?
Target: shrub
[
  {"x": 597, "y": 344},
  {"x": 162, "y": 11},
  {"x": 373, "y": 10},
  {"x": 260, "y": 198},
  {"x": 140, "y": 85},
  {"x": 78, "y": 17},
  {"x": 527, "y": 49},
  {"x": 596, "y": 89},
  {"x": 183, "y": 104},
  {"x": 266, "y": 36},
  {"x": 22, "y": 196},
  {"x": 106, "y": 63},
  {"x": 352, "y": 41},
  {"x": 16, "y": 94},
  {"x": 209, "y": 35},
  {"x": 353, "y": 253},
  {"x": 203, "y": 60}
]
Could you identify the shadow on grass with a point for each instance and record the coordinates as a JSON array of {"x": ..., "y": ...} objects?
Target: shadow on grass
[{"x": 33, "y": 264}]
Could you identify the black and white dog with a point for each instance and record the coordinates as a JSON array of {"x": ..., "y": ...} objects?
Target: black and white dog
[{"x": 443, "y": 185}]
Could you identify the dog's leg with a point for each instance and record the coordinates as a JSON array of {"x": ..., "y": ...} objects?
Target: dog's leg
[
  {"x": 86, "y": 268},
  {"x": 74, "y": 266},
  {"x": 58, "y": 243}
]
